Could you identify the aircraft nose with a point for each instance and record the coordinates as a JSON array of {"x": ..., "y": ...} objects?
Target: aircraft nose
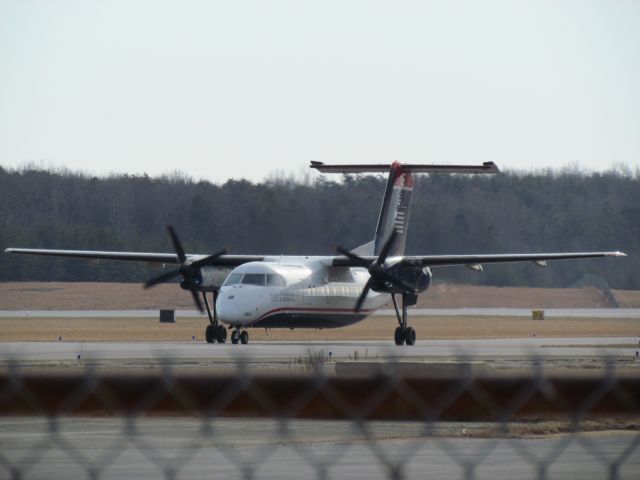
[{"x": 228, "y": 310}]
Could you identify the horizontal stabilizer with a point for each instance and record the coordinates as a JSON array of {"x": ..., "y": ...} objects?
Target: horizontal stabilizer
[{"x": 486, "y": 167}]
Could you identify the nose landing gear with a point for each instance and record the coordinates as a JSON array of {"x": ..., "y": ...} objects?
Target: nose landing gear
[
  {"x": 404, "y": 333},
  {"x": 238, "y": 336},
  {"x": 216, "y": 332}
]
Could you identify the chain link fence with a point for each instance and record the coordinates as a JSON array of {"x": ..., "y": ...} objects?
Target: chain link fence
[{"x": 325, "y": 419}]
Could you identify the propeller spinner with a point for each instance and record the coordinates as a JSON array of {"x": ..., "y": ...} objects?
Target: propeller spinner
[
  {"x": 377, "y": 270},
  {"x": 189, "y": 270}
]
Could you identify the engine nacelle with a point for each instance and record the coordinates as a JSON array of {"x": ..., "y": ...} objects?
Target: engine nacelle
[
  {"x": 425, "y": 279},
  {"x": 418, "y": 277},
  {"x": 209, "y": 279}
]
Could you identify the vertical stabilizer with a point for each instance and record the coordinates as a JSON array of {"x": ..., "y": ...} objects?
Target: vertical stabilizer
[
  {"x": 396, "y": 203},
  {"x": 394, "y": 213}
]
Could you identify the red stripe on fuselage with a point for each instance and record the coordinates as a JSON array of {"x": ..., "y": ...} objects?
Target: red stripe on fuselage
[{"x": 310, "y": 309}]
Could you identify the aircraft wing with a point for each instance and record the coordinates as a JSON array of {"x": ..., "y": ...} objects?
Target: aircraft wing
[
  {"x": 473, "y": 260},
  {"x": 221, "y": 261}
]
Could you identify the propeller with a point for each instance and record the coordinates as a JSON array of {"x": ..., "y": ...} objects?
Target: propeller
[
  {"x": 377, "y": 271},
  {"x": 189, "y": 270}
]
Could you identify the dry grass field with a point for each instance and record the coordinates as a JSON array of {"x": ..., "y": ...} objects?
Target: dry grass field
[
  {"x": 119, "y": 296},
  {"x": 131, "y": 296}
]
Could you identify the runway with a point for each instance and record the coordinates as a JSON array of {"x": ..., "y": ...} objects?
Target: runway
[
  {"x": 566, "y": 355},
  {"x": 236, "y": 448},
  {"x": 150, "y": 447},
  {"x": 578, "y": 347}
]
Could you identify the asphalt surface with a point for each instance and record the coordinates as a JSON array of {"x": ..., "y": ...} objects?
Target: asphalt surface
[
  {"x": 232, "y": 448},
  {"x": 601, "y": 347},
  {"x": 52, "y": 448}
]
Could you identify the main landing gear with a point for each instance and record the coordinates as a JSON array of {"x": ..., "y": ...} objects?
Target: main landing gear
[
  {"x": 404, "y": 333},
  {"x": 216, "y": 332}
]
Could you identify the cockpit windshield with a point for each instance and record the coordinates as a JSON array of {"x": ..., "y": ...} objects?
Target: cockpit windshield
[
  {"x": 254, "y": 279},
  {"x": 275, "y": 280},
  {"x": 233, "y": 279},
  {"x": 257, "y": 279}
]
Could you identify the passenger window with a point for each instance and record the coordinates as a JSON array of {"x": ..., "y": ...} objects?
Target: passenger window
[
  {"x": 274, "y": 280},
  {"x": 233, "y": 279},
  {"x": 253, "y": 279}
]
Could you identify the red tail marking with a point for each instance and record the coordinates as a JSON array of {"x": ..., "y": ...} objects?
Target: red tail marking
[{"x": 403, "y": 177}]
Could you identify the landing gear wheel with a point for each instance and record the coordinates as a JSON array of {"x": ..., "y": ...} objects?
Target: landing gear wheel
[
  {"x": 221, "y": 334},
  {"x": 404, "y": 333},
  {"x": 209, "y": 334},
  {"x": 235, "y": 337},
  {"x": 244, "y": 337},
  {"x": 410, "y": 336},
  {"x": 214, "y": 331},
  {"x": 399, "y": 336}
]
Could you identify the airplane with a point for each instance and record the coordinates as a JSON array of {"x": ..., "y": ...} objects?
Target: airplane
[{"x": 277, "y": 291}]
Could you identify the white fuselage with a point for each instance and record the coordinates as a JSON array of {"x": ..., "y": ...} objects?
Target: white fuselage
[{"x": 295, "y": 292}]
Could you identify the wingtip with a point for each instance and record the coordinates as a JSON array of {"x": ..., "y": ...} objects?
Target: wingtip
[{"x": 492, "y": 167}]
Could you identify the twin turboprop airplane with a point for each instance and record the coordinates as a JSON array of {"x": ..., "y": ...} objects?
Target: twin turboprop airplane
[{"x": 269, "y": 291}]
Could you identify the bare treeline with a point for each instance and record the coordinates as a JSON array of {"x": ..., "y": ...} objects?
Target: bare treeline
[{"x": 566, "y": 210}]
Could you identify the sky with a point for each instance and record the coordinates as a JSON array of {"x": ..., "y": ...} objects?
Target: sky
[{"x": 245, "y": 89}]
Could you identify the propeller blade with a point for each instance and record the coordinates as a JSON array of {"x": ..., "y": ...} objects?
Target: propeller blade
[
  {"x": 352, "y": 256},
  {"x": 386, "y": 248},
  {"x": 207, "y": 261},
  {"x": 162, "y": 278},
  {"x": 176, "y": 244},
  {"x": 186, "y": 270},
  {"x": 196, "y": 299},
  {"x": 363, "y": 295},
  {"x": 377, "y": 270},
  {"x": 194, "y": 292}
]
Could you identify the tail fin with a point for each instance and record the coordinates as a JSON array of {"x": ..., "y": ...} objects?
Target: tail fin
[
  {"x": 394, "y": 213},
  {"x": 396, "y": 204}
]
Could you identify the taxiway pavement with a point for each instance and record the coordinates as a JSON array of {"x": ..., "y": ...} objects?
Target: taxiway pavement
[
  {"x": 51, "y": 448},
  {"x": 535, "y": 347},
  {"x": 250, "y": 448}
]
